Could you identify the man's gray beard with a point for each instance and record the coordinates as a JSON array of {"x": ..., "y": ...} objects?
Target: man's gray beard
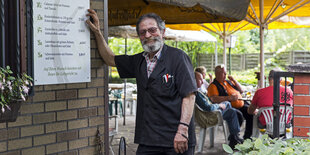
[{"x": 153, "y": 47}]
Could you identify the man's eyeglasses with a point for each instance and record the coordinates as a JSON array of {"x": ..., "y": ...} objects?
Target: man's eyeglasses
[{"x": 151, "y": 30}]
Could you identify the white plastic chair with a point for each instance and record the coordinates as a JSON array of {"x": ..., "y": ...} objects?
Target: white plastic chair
[
  {"x": 268, "y": 115},
  {"x": 202, "y": 133}
]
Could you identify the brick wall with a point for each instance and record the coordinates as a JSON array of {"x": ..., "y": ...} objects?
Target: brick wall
[
  {"x": 60, "y": 119},
  {"x": 301, "y": 105}
]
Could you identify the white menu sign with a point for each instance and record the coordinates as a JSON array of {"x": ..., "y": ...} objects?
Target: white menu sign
[{"x": 61, "y": 41}]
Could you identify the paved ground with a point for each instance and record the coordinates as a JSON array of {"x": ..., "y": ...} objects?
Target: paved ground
[{"x": 127, "y": 131}]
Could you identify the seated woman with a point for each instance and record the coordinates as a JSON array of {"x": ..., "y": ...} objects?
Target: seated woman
[
  {"x": 229, "y": 113},
  {"x": 264, "y": 98},
  {"x": 205, "y": 84}
]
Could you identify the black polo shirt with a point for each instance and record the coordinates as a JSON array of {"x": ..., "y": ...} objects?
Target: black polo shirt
[{"x": 160, "y": 96}]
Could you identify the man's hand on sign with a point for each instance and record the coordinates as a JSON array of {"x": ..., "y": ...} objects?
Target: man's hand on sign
[{"x": 93, "y": 21}]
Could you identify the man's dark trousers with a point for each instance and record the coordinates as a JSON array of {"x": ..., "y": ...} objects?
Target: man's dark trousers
[{"x": 249, "y": 120}]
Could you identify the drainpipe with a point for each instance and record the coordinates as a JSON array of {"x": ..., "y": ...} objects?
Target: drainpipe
[{"x": 106, "y": 82}]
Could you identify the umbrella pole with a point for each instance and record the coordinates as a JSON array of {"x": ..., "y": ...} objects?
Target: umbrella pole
[
  {"x": 230, "y": 60},
  {"x": 261, "y": 34},
  {"x": 125, "y": 83},
  {"x": 224, "y": 47},
  {"x": 215, "y": 54}
]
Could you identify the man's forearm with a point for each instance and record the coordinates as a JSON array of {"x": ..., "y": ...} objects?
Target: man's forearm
[
  {"x": 187, "y": 108},
  {"x": 251, "y": 109},
  {"x": 239, "y": 87},
  {"x": 104, "y": 50},
  {"x": 219, "y": 99},
  {"x": 181, "y": 139},
  {"x": 237, "y": 84}
]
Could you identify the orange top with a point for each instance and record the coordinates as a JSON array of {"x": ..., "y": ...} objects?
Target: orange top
[
  {"x": 212, "y": 91},
  {"x": 282, "y": 82}
]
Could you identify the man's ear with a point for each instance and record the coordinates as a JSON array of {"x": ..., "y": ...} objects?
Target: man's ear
[{"x": 164, "y": 33}]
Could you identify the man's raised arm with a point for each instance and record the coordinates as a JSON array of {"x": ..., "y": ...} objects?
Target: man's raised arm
[{"x": 104, "y": 50}]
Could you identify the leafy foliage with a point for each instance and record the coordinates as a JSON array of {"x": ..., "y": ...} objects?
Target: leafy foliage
[
  {"x": 193, "y": 48},
  {"x": 117, "y": 45},
  {"x": 247, "y": 77},
  {"x": 254, "y": 37},
  {"x": 13, "y": 88},
  {"x": 267, "y": 146}
]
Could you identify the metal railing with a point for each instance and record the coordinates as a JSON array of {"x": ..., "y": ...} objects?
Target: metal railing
[{"x": 276, "y": 100}]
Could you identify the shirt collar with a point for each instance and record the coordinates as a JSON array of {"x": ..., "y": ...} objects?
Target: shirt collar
[{"x": 157, "y": 55}]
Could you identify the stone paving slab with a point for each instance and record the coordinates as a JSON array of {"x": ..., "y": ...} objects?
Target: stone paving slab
[{"x": 127, "y": 131}]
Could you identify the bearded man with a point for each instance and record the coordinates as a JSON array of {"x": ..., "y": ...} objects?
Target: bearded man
[{"x": 166, "y": 87}]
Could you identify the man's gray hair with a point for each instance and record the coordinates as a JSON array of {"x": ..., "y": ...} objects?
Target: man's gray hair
[
  {"x": 159, "y": 21},
  {"x": 218, "y": 68}
]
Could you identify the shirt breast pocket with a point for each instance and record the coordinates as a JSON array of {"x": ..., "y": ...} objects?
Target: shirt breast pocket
[{"x": 164, "y": 85}]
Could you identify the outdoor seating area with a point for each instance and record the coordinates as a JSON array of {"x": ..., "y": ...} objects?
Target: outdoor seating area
[
  {"x": 210, "y": 137},
  {"x": 121, "y": 103}
]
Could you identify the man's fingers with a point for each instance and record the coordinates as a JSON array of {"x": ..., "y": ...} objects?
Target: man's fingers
[
  {"x": 92, "y": 14},
  {"x": 181, "y": 147},
  {"x": 91, "y": 25},
  {"x": 91, "y": 11},
  {"x": 180, "y": 143},
  {"x": 175, "y": 147},
  {"x": 94, "y": 23}
]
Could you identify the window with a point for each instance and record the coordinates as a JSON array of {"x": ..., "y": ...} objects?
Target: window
[{"x": 12, "y": 47}]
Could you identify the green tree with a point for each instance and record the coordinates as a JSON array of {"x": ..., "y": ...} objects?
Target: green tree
[{"x": 193, "y": 48}]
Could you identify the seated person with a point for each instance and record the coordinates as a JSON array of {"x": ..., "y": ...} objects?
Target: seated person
[
  {"x": 229, "y": 114},
  {"x": 221, "y": 90},
  {"x": 264, "y": 98},
  {"x": 205, "y": 84}
]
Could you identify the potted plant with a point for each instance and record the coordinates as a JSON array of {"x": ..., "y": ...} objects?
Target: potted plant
[{"x": 13, "y": 91}]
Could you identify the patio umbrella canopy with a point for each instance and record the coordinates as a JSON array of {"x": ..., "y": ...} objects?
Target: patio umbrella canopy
[
  {"x": 126, "y": 12},
  {"x": 298, "y": 17},
  {"x": 275, "y": 14}
]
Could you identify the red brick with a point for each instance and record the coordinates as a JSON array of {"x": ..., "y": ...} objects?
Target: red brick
[
  {"x": 302, "y": 121},
  {"x": 302, "y": 132},
  {"x": 302, "y": 100},
  {"x": 301, "y": 89},
  {"x": 302, "y": 78},
  {"x": 301, "y": 111}
]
